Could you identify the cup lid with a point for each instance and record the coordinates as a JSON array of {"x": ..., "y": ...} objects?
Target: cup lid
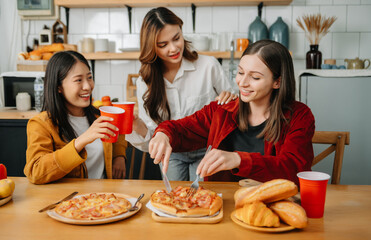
[{"x": 313, "y": 175}]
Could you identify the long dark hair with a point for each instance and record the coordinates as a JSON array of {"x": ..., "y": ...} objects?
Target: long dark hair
[
  {"x": 155, "y": 101},
  {"x": 278, "y": 59},
  {"x": 54, "y": 102}
]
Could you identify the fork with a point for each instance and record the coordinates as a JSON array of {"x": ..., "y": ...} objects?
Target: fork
[{"x": 195, "y": 184}]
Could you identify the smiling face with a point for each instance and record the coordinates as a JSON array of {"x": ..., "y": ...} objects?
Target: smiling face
[
  {"x": 77, "y": 88},
  {"x": 255, "y": 80},
  {"x": 170, "y": 45}
]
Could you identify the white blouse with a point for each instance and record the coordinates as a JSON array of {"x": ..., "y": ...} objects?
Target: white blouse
[
  {"x": 95, "y": 156},
  {"x": 195, "y": 85}
]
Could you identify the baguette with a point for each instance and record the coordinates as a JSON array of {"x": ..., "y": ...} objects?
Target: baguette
[
  {"x": 291, "y": 213},
  {"x": 271, "y": 191},
  {"x": 257, "y": 214}
]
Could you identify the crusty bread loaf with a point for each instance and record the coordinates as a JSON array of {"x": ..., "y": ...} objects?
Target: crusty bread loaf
[
  {"x": 257, "y": 214},
  {"x": 291, "y": 213},
  {"x": 271, "y": 191}
]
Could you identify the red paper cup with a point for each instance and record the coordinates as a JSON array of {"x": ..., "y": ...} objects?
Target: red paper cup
[
  {"x": 127, "y": 125},
  {"x": 117, "y": 114},
  {"x": 313, "y": 192}
]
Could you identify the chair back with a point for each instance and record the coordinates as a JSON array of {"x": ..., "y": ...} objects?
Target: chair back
[
  {"x": 337, "y": 141},
  {"x": 131, "y": 90}
]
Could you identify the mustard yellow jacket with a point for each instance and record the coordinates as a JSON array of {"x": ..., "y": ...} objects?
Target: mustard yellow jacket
[{"x": 48, "y": 158}]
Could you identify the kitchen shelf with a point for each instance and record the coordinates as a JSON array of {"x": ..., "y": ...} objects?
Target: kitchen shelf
[
  {"x": 135, "y": 55},
  {"x": 166, "y": 3}
]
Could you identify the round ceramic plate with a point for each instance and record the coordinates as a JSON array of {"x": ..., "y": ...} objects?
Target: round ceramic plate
[
  {"x": 5, "y": 200},
  {"x": 122, "y": 216},
  {"x": 282, "y": 228}
]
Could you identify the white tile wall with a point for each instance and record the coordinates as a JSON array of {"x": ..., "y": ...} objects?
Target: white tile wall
[
  {"x": 365, "y": 49},
  {"x": 347, "y": 2},
  {"x": 119, "y": 20},
  {"x": 203, "y": 20},
  {"x": 349, "y": 37},
  {"x": 345, "y": 45},
  {"x": 96, "y": 20},
  {"x": 359, "y": 18},
  {"x": 340, "y": 13},
  {"x": 225, "y": 19},
  {"x": 77, "y": 21}
]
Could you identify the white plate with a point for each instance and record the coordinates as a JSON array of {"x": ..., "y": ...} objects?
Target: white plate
[
  {"x": 129, "y": 49},
  {"x": 5, "y": 200},
  {"x": 122, "y": 216}
]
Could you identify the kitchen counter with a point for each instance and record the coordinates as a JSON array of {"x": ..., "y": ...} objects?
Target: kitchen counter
[
  {"x": 13, "y": 113},
  {"x": 347, "y": 214}
]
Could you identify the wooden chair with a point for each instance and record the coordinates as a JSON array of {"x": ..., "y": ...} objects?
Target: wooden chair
[
  {"x": 132, "y": 163},
  {"x": 131, "y": 96},
  {"x": 131, "y": 91},
  {"x": 337, "y": 141}
]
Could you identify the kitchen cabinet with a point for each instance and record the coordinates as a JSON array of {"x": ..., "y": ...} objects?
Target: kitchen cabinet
[
  {"x": 167, "y": 3},
  {"x": 13, "y": 145},
  {"x": 340, "y": 101}
]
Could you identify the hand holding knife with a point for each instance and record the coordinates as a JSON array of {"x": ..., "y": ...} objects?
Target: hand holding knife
[{"x": 165, "y": 179}]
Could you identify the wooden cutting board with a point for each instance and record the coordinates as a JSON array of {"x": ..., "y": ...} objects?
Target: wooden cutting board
[{"x": 215, "y": 219}]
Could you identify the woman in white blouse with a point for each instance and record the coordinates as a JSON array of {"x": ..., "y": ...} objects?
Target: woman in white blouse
[{"x": 174, "y": 82}]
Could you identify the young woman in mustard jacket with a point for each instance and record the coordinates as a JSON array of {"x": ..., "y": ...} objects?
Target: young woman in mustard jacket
[{"x": 65, "y": 139}]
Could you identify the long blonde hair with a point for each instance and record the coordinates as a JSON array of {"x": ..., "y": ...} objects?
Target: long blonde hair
[
  {"x": 155, "y": 101},
  {"x": 278, "y": 59}
]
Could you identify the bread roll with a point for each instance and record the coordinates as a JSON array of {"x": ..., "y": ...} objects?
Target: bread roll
[
  {"x": 291, "y": 213},
  {"x": 257, "y": 214},
  {"x": 35, "y": 55},
  {"x": 271, "y": 191}
]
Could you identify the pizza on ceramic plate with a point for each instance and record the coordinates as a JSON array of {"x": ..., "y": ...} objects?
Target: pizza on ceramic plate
[{"x": 93, "y": 206}]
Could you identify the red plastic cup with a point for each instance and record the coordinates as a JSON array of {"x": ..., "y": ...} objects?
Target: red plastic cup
[
  {"x": 313, "y": 192},
  {"x": 127, "y": 125},
  {"x": 117, "y": 114}
]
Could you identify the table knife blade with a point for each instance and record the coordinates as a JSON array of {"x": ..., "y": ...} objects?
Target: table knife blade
[
  {"x": 165, "y": 179},
  {"x": 53, "y": 205}
]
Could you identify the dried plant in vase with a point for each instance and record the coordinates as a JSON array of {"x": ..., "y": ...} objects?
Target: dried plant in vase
[{"x": 315, "y": 27}]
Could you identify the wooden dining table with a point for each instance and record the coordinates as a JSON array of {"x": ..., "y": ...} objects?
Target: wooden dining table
[{"x": 347, "y": 214}]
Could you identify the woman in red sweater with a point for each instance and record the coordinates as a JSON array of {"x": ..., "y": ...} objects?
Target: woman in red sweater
[{"x": 263, "y": 135}]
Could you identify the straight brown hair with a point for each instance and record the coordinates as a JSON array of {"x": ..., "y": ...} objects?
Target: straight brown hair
[
  {"x": 278, "y": 59},
  {"x": 155, "y": 100}
]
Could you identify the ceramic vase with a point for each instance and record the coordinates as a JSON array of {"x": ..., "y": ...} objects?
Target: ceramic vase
[
  {"x": 314, "y": 58},
  {"x": 279, "y": 32},
  {"x": 257, "y": 30}
]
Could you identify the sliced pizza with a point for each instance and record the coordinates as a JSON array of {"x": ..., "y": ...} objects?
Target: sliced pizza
[
  {"x": 203, "y": 203},
  {"x": 93, "y": 206}
]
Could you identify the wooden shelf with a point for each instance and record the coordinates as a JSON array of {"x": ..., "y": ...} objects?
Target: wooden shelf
[
  {"x": 135, "y": 55},
  {"x": 166, "y": 3}
]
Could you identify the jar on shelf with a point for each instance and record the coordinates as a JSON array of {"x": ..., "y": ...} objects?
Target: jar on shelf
[{"x": 23, "y": 101}]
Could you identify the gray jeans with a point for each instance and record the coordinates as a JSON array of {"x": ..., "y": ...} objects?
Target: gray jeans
[{"x": 182, "y": 166}]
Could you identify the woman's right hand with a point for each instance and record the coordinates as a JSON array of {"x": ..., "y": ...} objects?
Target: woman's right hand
[
  {"x": 99, "y": 129},
  {"x": 160, "y": 149}
]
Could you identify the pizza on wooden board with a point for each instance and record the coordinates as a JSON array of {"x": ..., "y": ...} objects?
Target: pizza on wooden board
[
  {"x": 203, "y": 203},
  {"x": 93, "y": 206}
]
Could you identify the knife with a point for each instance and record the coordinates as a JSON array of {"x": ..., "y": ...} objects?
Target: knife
[
  {"x": 165, "y": 179},
  {"x": 51, "y": 206}
]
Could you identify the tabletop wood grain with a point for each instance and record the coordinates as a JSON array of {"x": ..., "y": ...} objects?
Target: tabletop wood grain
[{"x": 347, "y": 214}]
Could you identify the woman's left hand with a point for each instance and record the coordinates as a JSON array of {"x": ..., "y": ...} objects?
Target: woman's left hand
[
  {"x": 225, "y": 97},
  {"x": 118, "y": 168},
  {"x": 217, "y": 160}
]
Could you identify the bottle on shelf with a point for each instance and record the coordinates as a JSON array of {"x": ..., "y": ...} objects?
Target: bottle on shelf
[{"x": 39, "y": 93}]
